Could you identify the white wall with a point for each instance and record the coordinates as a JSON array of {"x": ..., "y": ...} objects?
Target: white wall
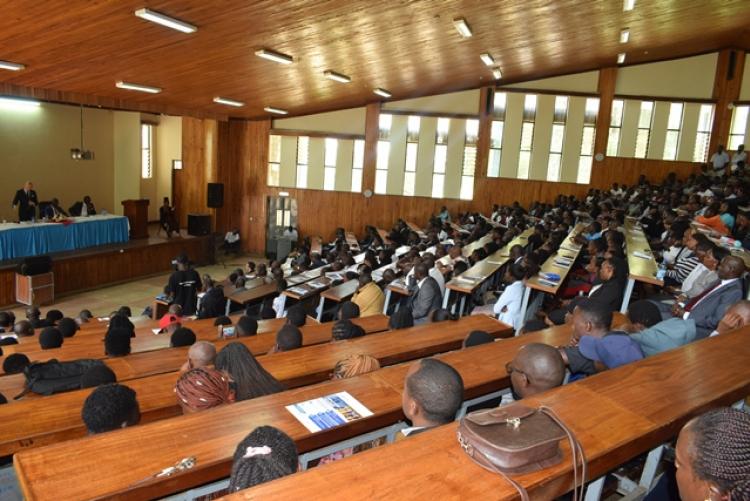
[{"x": 690, "y": 77}]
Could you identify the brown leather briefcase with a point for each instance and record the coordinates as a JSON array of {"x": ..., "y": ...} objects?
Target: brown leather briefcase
[{"x": 516, "y": 439}]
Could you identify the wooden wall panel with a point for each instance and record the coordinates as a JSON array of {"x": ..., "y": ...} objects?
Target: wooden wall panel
[
  {"x": 200, "y": 146},
  {"x": 628, "y": 170},
  {"x": 725, "y": 92}
]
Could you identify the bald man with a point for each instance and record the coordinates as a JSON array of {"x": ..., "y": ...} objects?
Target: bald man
[
  {"x": 737, "y": 315},
  {"x": 201, "y": 354},
  {"x": 26, "y": 201},
  {"x": 536, "y": 368}
]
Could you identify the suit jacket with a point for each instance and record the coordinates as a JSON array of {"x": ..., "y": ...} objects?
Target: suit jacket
[
  {"x": 25, "y": 211},
  {"x": 425, "y": 298},
  {"x": 77, "y": 208},
  {"x": 708, "y": 311},
  {"x": 50, "y": 211},
  {"x": 610, "y": 294}
]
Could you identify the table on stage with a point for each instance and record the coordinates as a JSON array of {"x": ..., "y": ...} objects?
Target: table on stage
[{"x": 34, "y": 239}]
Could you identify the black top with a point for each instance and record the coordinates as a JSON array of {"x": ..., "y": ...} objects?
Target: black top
[
  {"x": 213, "y": 303},
  {"x": 184, "y": 286},
  {"x": 25, "y": 211}
]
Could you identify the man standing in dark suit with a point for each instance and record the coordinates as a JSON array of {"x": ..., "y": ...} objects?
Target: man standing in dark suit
[
  {"x": 426, "y": 294},
  {"x": 26, "y": 201}
]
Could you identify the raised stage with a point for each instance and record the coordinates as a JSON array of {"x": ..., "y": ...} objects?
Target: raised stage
[{"x": 94, "y": 267}]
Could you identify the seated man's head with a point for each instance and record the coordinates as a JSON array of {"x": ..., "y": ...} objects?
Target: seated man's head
[
  {"x": 591, "y": 318},
  {"x": 110, "y": 407},
  {"x": 288, "y": 338},
  {"x": 348, "y": 310},
  {"x": 536, "y": 368},
  {"x": 201, "y": 354},
  {"x": 643, "y": 314},
  {"x": 182, "y": 337},
  {"x": 23, "y": 328},
  {"x": 736, "y": 316},
  {"x": 433, "y": 393},
  {"x": 50, "y": 338},
  {"x": 246, "y": 326},
  {"x": 296, "y": 315},
  {"x": 346, "y": 329},
  {"x": 731, "y": 267}
]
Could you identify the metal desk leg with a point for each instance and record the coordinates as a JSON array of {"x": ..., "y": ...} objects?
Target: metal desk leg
[
  {"x": 387, "y": 300},
  {"x": 626, "y": 297},
  {"x": 283, "y": 307},
  {"x": 446, "y": 297},
  {"x": 594, "y": 489},
  {"x": 226, "y": 309},
  {"x": 649, "y": 469},
  {"x": 524, "y": 306},
  {"x": 320, "y": 308},
  {"x": 463, "y": 303}
]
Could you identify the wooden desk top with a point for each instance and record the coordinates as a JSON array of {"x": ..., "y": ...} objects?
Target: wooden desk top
[
  {"x": 341, "y": 292},
  {"x": 254, "y": 294},
  {"x": 476, "y": 244},
  {"x": 567, "y": 249},
  {"x": 629, "y": 410},
  {"x": 399, "y": 287},
  {"x": 639, "y": 268},
  {"x": 310, "y": 288},
  {"x": 212, "y": 436}
]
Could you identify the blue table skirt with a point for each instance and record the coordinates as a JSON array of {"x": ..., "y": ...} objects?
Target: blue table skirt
[{"x": 23, "y": 240}]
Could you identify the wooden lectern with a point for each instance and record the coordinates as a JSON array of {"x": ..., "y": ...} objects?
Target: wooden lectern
[{"x": 137, "y": 213}]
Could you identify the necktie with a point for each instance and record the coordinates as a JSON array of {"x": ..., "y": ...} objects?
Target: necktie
[{"x": 691, "y": 304}]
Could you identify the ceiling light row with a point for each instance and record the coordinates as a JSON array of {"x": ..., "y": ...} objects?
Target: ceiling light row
[
  {"x": 627, "y": 6},
  {"x": 463, "y": 29}
]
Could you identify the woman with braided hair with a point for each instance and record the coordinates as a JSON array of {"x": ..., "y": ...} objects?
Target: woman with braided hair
[
  {"x": 247, "y": 377},
  {"x": 713, "y": 457},
  {"x": 266, "y": 454},
  {"x": 203, "y": 388}
]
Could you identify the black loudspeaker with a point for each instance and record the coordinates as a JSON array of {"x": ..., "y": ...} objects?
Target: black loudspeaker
[
  {"x": 215, "y": 195},
  {"x": 35, "y": 265},
  {"x": 732, "y": 65},
  {"x": 199, "y": 224}
]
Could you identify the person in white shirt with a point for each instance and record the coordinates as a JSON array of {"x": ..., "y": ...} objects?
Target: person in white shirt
[
  {"x": 616, "y": 190},
  {"x": 507, "y": 308},
  {"x": 719, "y": 160},
  {"x": 740, "y": 155}
]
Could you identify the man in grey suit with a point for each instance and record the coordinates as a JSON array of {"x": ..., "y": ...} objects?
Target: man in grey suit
[
  {"x": 425, "y": 294},
  {"x": 707, "y": 308}
]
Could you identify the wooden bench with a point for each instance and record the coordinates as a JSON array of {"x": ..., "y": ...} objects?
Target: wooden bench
[
  {"x": 616, "y": 415},
  {"x": 295, "y": 369},
  {"x": 212, "y": 436}
]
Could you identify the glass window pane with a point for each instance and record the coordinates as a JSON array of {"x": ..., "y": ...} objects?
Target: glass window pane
[
  {"x": 592, "y": 110},
  {"x": 527, "y": 136},
  {"x": 735, "y": 140},
  {"x": 584, "y": 170},
  {"x": 145, "y": 135},
  {"x": 274, "y": 148},
  {"x": 739, "y": 119},
  {"x": 470, "y": 160},
  {"x": 553, "y": 167},
  {"x": 303, "y": 149},
  {"x": 617, "y": 106},
  {"x": 558, "y": 134},
  {"x": 524, "y": 159},
  {"x": 411, "y": 157},
  {"x": 331, "y": 149},
  {"x": 412, "y": 128},
  {"x": 273, "y": 174},
  {"x": 280, "y": 218},
  {"x": 613, "y": 141},
  {"x": 675, "y": 116},
  {"x": 701, "y": 146},
  {"x": 644, "y": 120},
  {"x": 443, "y": 126},
  {"x": 670, "y": 144},
  {"x": 441, "y": 152},
  {"x": 301, "y": 176},
  {"x": 467, "y": 188},
  {"x": 587, "y": 141},
  {"x": 496, "y": 134},
  {"x": 329, "y": 178},
  {"x": 384, "y": 150},
  {"x": 472, "y": 131},
  {"x": 561, "y": 108},
  {"x": 356, "y": 180},
  {"x": 381, "y": 177},
  {"x": 493, "y": 167},
  {"x": 438, "y": 180},
  {"x": 358, "y": 161},
  {"x": 409, "y": 181},
  {"x": 287, "y": 218},
  {"x": 145, "y": 164},
  {"x": 384, "y": 125},
  {"x": 641, "y": 143},
  {"x": 529, "y": 107},
  {"x": 500, "y": 101}
]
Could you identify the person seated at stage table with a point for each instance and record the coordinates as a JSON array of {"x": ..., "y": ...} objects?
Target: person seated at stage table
[
  {"x": 110, "y": 407},
  {"x": 203, "y": 388},
  {"x": 248, "y": 379},
  {"x": 266, "y": 454},
  {"x": 26, "y": 201},
  {"x": 201, "y": 354},
  {"x": 184, "y": 285},
  {"x": 53, "y": 210},
  {"x": 433, "y": 393},
  {"x": 85, "y": 208},
  {"x": 168, "y": 218},
  {"x": 536, "y": 368},
  {"x": 707, "y": 308}
]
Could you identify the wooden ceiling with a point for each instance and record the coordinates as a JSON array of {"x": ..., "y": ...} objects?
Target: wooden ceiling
[{"x": 75, "y": 50}]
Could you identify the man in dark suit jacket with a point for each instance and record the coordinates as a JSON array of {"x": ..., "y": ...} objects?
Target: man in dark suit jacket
[
  {"x": 53, "y": 210},
  {"x": 26, "y": 201},
  {"x": 426, "y": 294},
  {"x": 707, "y": 308},
  {"x": 77, "y": 209}
]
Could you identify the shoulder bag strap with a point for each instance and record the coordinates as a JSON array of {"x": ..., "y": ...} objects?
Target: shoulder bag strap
[
  {"x": 576, "y": 450},
  {"x": 520, "y": 488}
]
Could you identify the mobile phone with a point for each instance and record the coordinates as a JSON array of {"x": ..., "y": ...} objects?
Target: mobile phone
[{"x": 227, "y": 331}]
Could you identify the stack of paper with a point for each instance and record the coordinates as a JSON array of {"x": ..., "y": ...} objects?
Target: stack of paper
[{"x": 329, "y": 412}]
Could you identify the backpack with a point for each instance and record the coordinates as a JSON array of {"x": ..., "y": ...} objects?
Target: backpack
[{"x": 48, "y": 378}]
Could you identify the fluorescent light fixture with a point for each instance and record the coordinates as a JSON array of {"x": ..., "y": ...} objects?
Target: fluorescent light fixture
[
  {"x": 276, "y": 57},
  {"x": 382, "y": 92},
  {"x": 138, "y": 87},
  {"x": 228, "y": 102},
  {"x": 628, "y": 5},
  {"x": 169, "y": 22},
  {"x": 624, "y": 35},
  {"x": 18, "y": 104},
  {"x": 462, "y": 27},
  {"x": 497, "y": 74},
  {"x": 620, "y": 58},
  {"x": 278, "y": 111},
  {"x": 7, "y": 65},
  {"x": 336, "y": 77},
  {"x": 283, "y": 193},
  {"x": 487, "y": 58}
]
